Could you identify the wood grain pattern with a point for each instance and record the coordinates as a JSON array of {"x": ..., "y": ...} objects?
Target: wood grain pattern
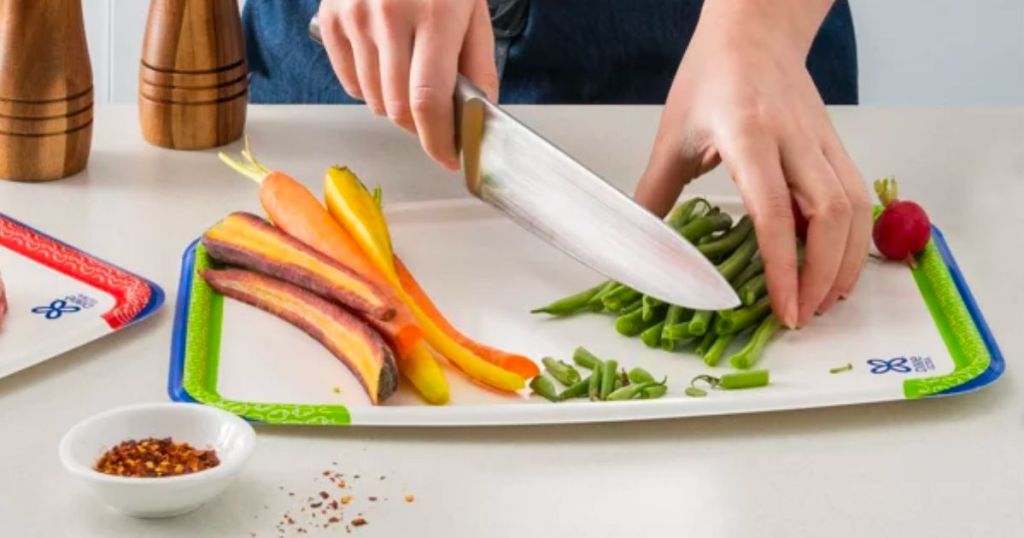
[
  {"x": 45, "y": 90},
  {"x": 193, "y": 78}
]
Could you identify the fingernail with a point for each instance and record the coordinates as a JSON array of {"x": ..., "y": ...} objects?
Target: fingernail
[
  {"x": 792, "y": 315},
  {"x": 842, "y": 296}
]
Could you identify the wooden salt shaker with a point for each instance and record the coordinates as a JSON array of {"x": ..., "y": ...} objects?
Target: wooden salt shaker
[
  {"x": 193, "y": 78},
  {"x": 45, "y": 90}
]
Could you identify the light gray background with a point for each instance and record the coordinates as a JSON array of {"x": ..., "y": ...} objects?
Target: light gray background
[{"x": 912, "y": 52}]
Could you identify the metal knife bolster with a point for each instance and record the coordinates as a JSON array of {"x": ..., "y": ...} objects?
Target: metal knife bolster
[{"x": 470, "y": 109}]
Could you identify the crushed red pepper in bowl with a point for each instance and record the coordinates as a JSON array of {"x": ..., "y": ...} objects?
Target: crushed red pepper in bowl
[{"x": 152, "y": 457}]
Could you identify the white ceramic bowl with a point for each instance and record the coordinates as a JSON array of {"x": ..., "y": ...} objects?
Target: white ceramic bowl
[{"x": 200, "y": 426}]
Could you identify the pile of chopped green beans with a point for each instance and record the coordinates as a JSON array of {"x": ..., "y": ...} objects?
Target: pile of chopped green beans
[
  {"x": 733, "y": 250},
  {"x": 606, "y": 382}
]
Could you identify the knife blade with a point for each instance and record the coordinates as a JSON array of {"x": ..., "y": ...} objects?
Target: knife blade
[{"x": 547, "y": 192}]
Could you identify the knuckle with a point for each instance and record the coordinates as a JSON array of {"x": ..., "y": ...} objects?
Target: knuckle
[
  {"x": 754, "y": 119},
  {"x": 356, "y": 13},
  {"x": 424, "y": 99},
  {"x": 836, "y": 207},
  {"x": 398, "y": 111}
]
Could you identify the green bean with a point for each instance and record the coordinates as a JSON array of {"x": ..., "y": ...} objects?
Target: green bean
[
  {"x": 571, "y": 304},
  {"x": 629, "y": 391},
  {"x": 705, "y": 225},
  {"x": 544, "y": 387},
  {"x": 751, "y": 353},
  {"x": 734, "y": 321},
  {"x": 618, "y": 384},
  {"x": 740, "y": 258},
  {"x": 620, "y": 297},
  {"x": 744, "y": 380},
  {"x": 653, "y": 392},
  {"x": 563, "y": 372},
  {"x": 700, "y": 322},
  {"x": 753, "y": 289},
  {"x": 608, "y": 377},
  {"x": 705, "y": 343},
  {"x": 596, "y": 303},
  {"x": 729, "y": 241},
  {"x": 577, "y": 390},
  {"x": 673, "y": 316},
  {"x": 677, "y": 332},
  {"x": 718, "y": 347},
  {"x": 594, "y": 387},
  {"x": 635, "y": 306},
  {"x": 584, "y": 358},
  {"x": 651, "y": 336},
  {"x": 695, "y": 392},
  {"x": 684, "y": 212},
  {"x": 632, "y": 322},
  {"x": 840, "y": 369},
  {"x": 755, "y": 266},
  {"x": 649, "y": 305},
  {"x": 639, "y": 375}
]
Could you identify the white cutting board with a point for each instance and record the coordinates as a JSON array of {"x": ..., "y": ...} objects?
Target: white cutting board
[{"x": 485, "y": 274}]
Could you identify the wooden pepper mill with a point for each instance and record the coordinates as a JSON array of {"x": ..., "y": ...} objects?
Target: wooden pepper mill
[
  {"x": 45, "y": 90},
  {"x": 193, "y": 78}
]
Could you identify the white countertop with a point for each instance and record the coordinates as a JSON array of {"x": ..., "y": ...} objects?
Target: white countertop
[{"x": 945, "y": 467}]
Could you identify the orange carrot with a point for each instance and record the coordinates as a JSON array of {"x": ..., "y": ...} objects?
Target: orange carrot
[
  {"x": 508, "y": 361},
  {"x": 294, "y": 209}
]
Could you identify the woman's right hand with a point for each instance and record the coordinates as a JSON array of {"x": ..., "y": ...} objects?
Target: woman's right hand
[{"x": 402, "y": 57}]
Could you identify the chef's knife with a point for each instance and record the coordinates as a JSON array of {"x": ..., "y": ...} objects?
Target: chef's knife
[{"x": 556, "y": 198}]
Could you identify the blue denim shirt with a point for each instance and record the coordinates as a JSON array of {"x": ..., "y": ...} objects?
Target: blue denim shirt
[{"x": 554, "y": 51}]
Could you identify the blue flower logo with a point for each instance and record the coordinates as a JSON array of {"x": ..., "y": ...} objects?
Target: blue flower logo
[
  {"x": 881, "y": 366},
  {"x": 56, "y": 309}
]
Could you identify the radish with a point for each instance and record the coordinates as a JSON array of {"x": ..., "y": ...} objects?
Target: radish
[{"x": 902, "y": 229}]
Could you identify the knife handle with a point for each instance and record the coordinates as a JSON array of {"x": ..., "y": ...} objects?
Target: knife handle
[{"x": 468, "y": 118}]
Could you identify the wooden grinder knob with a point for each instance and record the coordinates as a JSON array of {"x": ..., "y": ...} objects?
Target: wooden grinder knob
[
  {"x": 45, "y": 90},
  {"x": 193, "y": 78}
]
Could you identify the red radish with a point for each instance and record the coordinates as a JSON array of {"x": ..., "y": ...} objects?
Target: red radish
[{"x": 902, "y": 229}]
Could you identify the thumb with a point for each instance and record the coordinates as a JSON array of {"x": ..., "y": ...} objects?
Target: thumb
[
  {"x": 476, "y": 61},
  {"x": 671, "y": 167}
]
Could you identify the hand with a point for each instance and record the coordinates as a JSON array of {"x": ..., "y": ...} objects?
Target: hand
[
  {"x": 743, "y": 96},
  {"x": 403, "y": 57}
]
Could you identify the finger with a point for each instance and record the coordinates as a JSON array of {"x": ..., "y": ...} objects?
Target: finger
[
  {"x": 339, "y": 51},
  {"x": 395, "y": 56},
  {"x": 823, "y": 201},
  {"x": 356, "y": 20},
  {"x": 756, "y": 166},
  {"x": 858, "y": 241},
  {"x": 431, "y": 89},
  {"x": 476, "y": 61},
  {"x": 668, "y": 171}
]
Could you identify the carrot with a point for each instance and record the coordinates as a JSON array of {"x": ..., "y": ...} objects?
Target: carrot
[
  {"x": 294, "y": 209},
  {"x": 509, "y": 361},
  {"x": 353, "y": 207}
]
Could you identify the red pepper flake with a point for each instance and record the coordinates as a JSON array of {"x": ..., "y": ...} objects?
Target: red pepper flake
[
  {"x": 356, "y": 477},
  {"x": 324, "y": 495},
  {"x": 291, "y": 493},
  {"x": 326, "y": 473},
  {"x": 346, "y": 499},
  {"x": 316, "y": 505},
  {"x": 334, "y": 520},
  {"x": 152, "y": 457},
  {"x": 359, "y": 522},
  {"x": 372, "y": 498},
  {"x": 410, "y": 498},
  {"x": 382, "y": 477},
  {"x": 334, "y": 504},
  {"x": 289, "y": 520}
]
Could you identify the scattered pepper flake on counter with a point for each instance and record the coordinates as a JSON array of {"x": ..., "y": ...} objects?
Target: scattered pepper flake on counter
[
  {"x": 152, "y": 457},
  {"x": 346, "y": 499},
  {"x": 359, "y": 522},
  {"x": 410, "y": 498},
  {"x": 336, "y": 390},
  {"x": 372, "y": 498}
]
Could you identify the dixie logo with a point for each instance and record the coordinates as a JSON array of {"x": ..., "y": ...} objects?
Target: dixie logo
[
  {"x": 901, "y": 365},
  {"x": 56, "y": 309}
]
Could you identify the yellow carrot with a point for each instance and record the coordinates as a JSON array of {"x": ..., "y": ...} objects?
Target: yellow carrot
[{"x": 353, "y": 207}]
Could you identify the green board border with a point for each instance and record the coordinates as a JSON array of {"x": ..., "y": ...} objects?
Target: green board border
[{"x": 202, "y": 361}]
